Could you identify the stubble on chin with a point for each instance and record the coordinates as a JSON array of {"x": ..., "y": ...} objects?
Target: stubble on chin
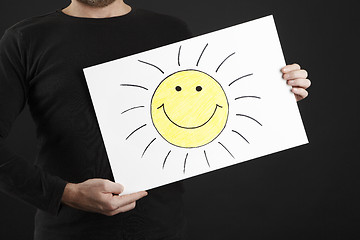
[{"x": 96, "y": 3}]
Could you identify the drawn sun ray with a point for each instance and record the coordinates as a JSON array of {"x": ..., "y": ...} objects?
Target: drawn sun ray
[
  {"x": 153, "y": 65},
  {"x": 206, "y": 158},
  {"x": 179, "y": 55},
  {"x": 226, "y": 150},
  {"x": 148, "y": 147},
  {"x": 217, "y": 69},
  {"x": 243, "y": 115},
  {"x": 240, "y": 135},
  {"x": 185, "y": 161},
  {"x": 237, "y": 98},
  {"x": 167, "y": 155},
  {"x": 133, "y": 85},
  {"x": 247, "y": 75},
  {"x": 202, "y": 52},
  {"x": 132, "y": 108},
  {"x": 135, "y": 131}
]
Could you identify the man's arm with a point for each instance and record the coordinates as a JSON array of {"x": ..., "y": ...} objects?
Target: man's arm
[
  {"x": 28, "y": 182},
  {"x": 18, "y": 177}
]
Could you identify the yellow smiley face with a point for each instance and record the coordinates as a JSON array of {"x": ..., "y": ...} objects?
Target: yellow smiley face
[{"x": 189, "y": 108}]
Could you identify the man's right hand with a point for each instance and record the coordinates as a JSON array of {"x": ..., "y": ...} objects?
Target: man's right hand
[{"x": 100, "y": 196}]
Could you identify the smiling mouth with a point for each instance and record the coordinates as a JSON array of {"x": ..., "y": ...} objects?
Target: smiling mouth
[{"x": 163, "y": 107}]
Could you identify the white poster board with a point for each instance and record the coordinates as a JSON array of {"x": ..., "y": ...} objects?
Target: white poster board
[{"x": 195, "y": 106}]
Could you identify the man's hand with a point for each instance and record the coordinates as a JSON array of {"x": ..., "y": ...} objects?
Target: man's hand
[
  {"x": 297, "y": 78},
  {"x": 101, "y": 196}
]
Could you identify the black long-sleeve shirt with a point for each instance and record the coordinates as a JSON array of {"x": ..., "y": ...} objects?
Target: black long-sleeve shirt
[{"x": 41, "y": 62}]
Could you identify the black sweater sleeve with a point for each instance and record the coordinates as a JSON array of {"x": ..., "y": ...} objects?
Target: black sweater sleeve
[{"x": 18, "y": 177}]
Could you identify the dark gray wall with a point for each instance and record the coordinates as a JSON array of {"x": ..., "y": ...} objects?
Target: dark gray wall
[{"x": 310, "y": 192}]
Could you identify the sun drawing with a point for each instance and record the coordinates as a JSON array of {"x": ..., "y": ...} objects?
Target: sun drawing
[{"x": 189, "y": 108}]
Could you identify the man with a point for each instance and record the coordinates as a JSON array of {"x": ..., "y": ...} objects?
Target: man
[{"x": 41, "y": 62}]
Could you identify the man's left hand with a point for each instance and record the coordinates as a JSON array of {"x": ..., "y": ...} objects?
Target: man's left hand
[{"x": 297, "y": 79}]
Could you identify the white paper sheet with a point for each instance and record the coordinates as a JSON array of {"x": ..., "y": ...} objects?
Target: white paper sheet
[{"x": 195, "y": 106}]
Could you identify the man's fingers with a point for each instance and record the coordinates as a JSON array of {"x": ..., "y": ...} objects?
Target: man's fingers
[
  {"x": 122, "y": 209},
  {"x": 297, "y": 78},
  {"x": 289, "y": 68},
  {"x": 294, "y": 71},
  {"x": 128, "y": 198},
  {"x": 114, "y": 202},
  {"x": 296, "y": 74},
  {"x": 300, "y": 93},
  {"x": 303, "y": 83},
  {"x": 123, "y": 203},
  {"x": 112, "y": 187},
  {"x": 126, "y": 208}
]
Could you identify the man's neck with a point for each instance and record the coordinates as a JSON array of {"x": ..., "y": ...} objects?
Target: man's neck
[{"x": 77, "y": 9}]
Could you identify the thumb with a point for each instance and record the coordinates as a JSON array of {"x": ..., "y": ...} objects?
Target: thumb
[{"x": 114, "y": 187}]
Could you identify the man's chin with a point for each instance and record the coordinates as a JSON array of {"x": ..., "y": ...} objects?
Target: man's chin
[{"x": 97, "y": 3}]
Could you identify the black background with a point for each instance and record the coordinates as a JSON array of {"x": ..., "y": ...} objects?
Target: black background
[{"x": 309, "y": 192}]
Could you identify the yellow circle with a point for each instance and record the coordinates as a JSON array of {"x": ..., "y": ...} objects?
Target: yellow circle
[{"x": 189, "y": 108}]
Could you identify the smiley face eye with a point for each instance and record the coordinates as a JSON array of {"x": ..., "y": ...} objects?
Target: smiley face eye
[
  {"x": 198, "y": 88},
  {"x": 178, "y": 88}
]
